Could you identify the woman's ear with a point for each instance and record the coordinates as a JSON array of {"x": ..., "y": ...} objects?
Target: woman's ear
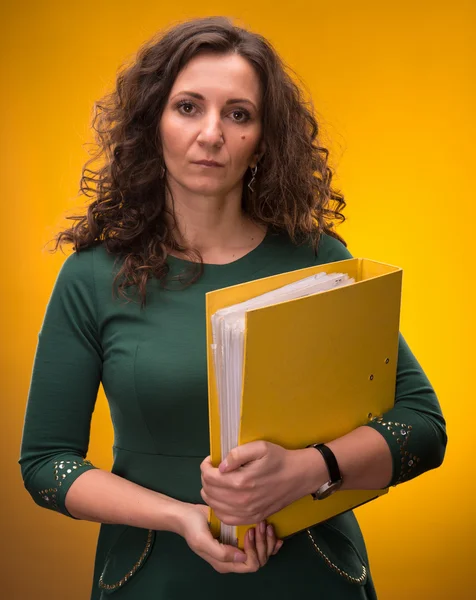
[
  {"x": 261, "y": 149},
  {"x": 258, "y": 155}
]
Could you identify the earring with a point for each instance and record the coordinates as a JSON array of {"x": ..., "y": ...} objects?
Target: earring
[
  {"x": 252, "y": 180},
  {"x": 162, "y": 172}
]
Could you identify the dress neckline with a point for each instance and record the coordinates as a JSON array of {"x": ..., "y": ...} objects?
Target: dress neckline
[{"x": 241, "y": 269}]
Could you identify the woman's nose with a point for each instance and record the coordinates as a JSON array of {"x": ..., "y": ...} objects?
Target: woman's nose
[{"x": 211, "y": 131}]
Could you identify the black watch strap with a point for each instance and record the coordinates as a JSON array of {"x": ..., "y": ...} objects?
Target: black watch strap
[{"x": 331, "y": 462}]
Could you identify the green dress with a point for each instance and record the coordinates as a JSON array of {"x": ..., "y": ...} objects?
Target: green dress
[{"x": 152, "y": 365}]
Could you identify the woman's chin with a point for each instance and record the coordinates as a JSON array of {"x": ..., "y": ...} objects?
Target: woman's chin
[{"x": 208, "y": 189}]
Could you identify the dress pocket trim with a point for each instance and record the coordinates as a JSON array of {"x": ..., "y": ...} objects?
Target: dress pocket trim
[
  {"x": 112, "y": 570},
  {"x": 355, "y": 579}
]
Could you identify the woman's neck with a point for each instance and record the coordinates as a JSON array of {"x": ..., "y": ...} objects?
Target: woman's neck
[{"x": 216, "y": 227}]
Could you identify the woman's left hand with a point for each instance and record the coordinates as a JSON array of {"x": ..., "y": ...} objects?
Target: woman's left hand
[{"x": 254, "y": 481}]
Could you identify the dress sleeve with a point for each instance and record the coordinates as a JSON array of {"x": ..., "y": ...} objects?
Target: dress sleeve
[
  {"x": 64, "y": 384},
  {"x": 414, "y": 428}
]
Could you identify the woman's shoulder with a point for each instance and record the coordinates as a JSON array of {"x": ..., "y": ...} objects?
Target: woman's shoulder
[
  {"x": 83, "y": 263},
  {"x": 331, "y": 249},
  {"x": 300, "y": 254},
  {"x": 85, "y": 268}
]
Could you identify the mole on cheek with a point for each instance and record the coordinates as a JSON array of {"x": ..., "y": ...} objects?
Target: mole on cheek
[{"x": 243, "y": 137}]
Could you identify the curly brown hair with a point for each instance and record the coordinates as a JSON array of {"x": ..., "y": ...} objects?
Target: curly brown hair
[{"x": 128, "y": 211}]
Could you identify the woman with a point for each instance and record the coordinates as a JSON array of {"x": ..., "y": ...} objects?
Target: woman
[{"x": 211, "y": 175}]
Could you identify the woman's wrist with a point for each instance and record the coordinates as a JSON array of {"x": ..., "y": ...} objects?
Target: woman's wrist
[
  {"x": 311, "y": 470},
  {"x": 172, "y": 515}
]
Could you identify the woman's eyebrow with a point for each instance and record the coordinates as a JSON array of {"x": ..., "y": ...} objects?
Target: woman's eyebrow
[{"x": 230, "y": 101}]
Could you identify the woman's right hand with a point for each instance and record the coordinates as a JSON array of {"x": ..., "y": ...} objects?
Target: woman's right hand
[{"x": 260, "y": 544}]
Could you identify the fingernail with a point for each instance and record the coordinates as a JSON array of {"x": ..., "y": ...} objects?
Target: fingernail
[
  {"x": 239, "y": 557},
  {"x": 270, "y": 530},
  {"x": 222, "y": 466},
  {"x": 251, "y": 534},
  {"x": 262, "y": 527}
]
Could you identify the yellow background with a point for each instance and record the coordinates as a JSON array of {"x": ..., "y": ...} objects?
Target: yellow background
[{"x": 395, "y": 87}]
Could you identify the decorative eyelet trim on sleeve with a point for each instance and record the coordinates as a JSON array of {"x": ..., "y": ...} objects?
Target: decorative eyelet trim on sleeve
[
  {"x": 49, "y": 496},
  {"x": 333, "y": 566},
  {"x": 63, "y": 468},
  {"x": 402, "y": 433},
  {"x": 121, "y": 582}
]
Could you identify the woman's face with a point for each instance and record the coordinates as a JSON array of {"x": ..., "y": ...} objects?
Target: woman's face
[{"x": 213, "y": 113}]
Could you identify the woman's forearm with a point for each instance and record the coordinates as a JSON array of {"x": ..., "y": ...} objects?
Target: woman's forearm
[
  {"x": 104, "y": 497},
  {"x": 364, "y": 460}
]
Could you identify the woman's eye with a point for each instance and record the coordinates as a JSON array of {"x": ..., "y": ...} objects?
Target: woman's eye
[
  {"x": 183, "y": 105},
  {"x": 245, "y": 115}
]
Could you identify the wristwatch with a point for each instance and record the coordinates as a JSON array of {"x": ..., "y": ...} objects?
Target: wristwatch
[{"x": 335, "y": 480}]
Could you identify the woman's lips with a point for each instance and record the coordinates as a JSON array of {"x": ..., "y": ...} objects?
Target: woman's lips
[{"x": 205, "y": 163}]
